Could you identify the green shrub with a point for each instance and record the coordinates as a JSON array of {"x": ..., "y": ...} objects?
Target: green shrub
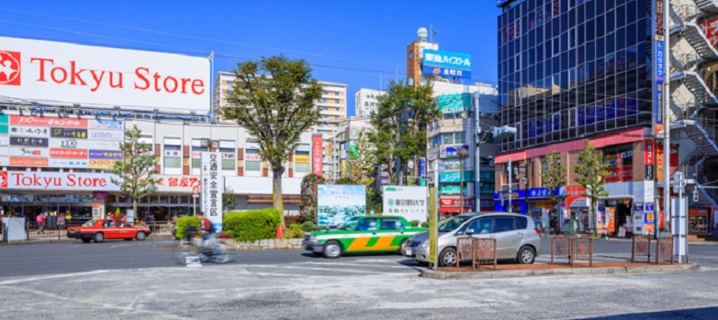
[
  {"x": 415, "y": 223},
  {"x": 294, "y": 232},
  {"x": 309, "y": 226},
  {"x": 252, "y": 225},
  {"x": 182, "y": 224},
  {"x": 295, "y": 226},
  {"x": 425, "y": 224}
]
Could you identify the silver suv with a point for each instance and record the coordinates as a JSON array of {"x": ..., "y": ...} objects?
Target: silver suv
[{"x": 516, "y": 237}]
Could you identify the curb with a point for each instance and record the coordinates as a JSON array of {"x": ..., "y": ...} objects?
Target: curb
[{"x": 440, "y": 275}]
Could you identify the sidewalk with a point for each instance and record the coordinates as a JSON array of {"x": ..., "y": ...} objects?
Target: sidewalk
[{"x": 532, "y": 270}]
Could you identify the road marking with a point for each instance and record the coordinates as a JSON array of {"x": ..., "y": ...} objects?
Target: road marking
[
  {"x": 312, "y": 268},
  {"x": 357, "y": 265},
  {"x": 7, "y": 282}
]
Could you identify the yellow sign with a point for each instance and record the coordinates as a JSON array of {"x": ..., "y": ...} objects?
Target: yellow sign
[
  {"x": 301, "y": 159},
  {"x": 432, "y": 226}
]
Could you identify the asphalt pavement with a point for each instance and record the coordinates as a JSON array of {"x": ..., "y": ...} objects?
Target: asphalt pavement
[{"x": 121, "y": 280}]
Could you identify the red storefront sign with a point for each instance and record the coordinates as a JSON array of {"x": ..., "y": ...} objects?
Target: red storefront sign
[
  {"x": 710, "y": 29},
  {"x": 619, "y": 174},
  {"x": 649, "y": 153},
  {"x": 456, "y": 202},
  {"x": 68, "y": 153},
  {"x": 48, "y": 122},
  {"x": 317, "y": 154},
  {"x": 574, "y": 193}
]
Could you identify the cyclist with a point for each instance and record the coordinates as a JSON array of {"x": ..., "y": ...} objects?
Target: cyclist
[{"x": 210, "y": 235}]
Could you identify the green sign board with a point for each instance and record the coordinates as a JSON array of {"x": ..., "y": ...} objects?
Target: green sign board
[{"x": 455, "y": 103}]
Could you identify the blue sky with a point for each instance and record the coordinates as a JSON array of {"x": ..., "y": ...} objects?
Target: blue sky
[{"x": 360, "y": 43}]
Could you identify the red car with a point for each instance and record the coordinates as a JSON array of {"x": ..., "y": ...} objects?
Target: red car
[{"x": 102, "y": 229}]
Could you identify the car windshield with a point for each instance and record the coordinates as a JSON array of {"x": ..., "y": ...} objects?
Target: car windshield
[
  {"x": 452, "y": 223},
  {"x": 89, "y": 223},
  {"x": 349, "y": 224}
]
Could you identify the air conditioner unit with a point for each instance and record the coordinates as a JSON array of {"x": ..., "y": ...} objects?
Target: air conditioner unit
[
  {"x": 205, "y": 143},
  {"x": 215, "y": 144}
]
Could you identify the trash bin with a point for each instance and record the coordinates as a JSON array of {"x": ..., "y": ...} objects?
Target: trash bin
[{"x": 570, "y": 228}]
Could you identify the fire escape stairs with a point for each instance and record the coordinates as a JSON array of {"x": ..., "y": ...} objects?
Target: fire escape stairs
[{"x": 707, "y": 5}]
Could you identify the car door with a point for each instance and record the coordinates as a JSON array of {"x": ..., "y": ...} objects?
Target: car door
[
  {"x": 364, "y": 236},
  {"x": 508, "y": 239},
  {"x": 391, "y": 233},
  {"x": 110, "y": 229}
]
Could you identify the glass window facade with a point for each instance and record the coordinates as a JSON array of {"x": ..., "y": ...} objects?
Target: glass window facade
[{"x": 572, "y": 69}]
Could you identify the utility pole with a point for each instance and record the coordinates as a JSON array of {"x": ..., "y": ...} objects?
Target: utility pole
[{"x": 477, "y": 160}]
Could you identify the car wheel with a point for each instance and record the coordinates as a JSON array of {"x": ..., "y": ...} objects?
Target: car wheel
[
  {"x": 130, "y": 239},
  {"x": 402, "y": 246},
  {"x": 86, "y": 240},
  {"x": 141, "y": 236},
  {"x": 526, "y": 255},
  {"x": 447, "y": 258},
  {"x": 332, "y": 249},
  {"x": 99, "y": 237}
]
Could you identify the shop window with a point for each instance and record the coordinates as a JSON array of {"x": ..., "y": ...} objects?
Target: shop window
[
  {"x": 172, "y": 153},
  {"x": 198, "y": 146},
  {"x": 252, "y": 160},
  {"x": 301, "y": 159}
]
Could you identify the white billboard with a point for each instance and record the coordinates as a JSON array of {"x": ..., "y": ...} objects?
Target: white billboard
[
  {"x": 66, "y": 73},
  {"x": 408, "y": 202},
  {"x": 212, "y": 186}
]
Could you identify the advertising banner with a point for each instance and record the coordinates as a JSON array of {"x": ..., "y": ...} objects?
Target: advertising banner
[
  {"x": 67, "y": 73},
  {"x": 446, "y": 72},
  {"x": 212, "y": 188},
  {"x": 301, "y": 159},
  {"x": 456, "y": 202},
  {"x": 65, "y": 181},
  {"x": 455, "y": 103},
  {"x": 449, "y": 152},
  {"x": 446, "y": 59},
  {"x": 408, "y": 202},
  {"x": 659, "y": 68},
  {"x": 317, "y": 164},
  {"x": 182, "y": 184},
  {"x": 338, "y": 203},
  {"x": 63, "y": 138},
  {"x": 422, "y": 167},
  {"x": 455, "y": 177}
]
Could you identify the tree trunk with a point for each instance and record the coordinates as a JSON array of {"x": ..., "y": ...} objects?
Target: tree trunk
[
  {"x": 134, "y": 208},
  {"x": 277, "y": 199}
]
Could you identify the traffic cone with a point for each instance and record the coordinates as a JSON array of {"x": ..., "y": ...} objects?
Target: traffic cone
[{"x": 280, "y": 232}]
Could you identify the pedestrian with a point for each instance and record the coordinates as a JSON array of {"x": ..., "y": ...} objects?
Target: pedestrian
[
  {"x": 41, "y": 223},
  {"x": 554, "y": 225},
  {"x": 61, "y": 221},
  {"x": 174, "y": 219},
  {"x": 150, "y": 219}
]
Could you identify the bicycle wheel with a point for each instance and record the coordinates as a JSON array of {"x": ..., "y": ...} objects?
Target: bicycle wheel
[
  {"x": 180, "y": 254},
  {"x": 225, "y": 255}
]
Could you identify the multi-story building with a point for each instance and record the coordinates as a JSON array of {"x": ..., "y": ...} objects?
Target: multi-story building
[
  {"x": 366, "y": 101},
  {"x": 452, "y": 138},
  {"x": 59, "y": 140},
  {"x": 332, "y": 106},
  {"x": 573, "y": 72}
]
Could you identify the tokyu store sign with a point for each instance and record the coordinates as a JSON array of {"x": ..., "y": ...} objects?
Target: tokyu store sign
[
  {"x": 60, "y": 181},
  {"x": 408, "y": 202},
  {"x": 212, "y": 188},
  {"x": 65, "y": 73}
]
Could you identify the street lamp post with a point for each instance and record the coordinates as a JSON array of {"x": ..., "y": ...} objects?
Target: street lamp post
[{"x": 462, "y": 152}]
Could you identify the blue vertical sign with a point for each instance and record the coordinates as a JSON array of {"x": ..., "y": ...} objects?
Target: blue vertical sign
[
  {"x": 422, "y": 167},
  {"x": 659, "y": 66}
]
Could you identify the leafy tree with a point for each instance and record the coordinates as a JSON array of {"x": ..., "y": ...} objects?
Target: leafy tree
[
  {"x": 308, "y": 204},
  {"x": 136, "y": 170},
  {"x": 346, "y": 181},
  {"x": 593, "y": 173},
  {"x": 274, "y": 100},
  {"x": 553, "y": 176},
  {"x": 400, "y": 124},
  {"x": 228, "y": 199},
  {"x": 361, "y": 167}
]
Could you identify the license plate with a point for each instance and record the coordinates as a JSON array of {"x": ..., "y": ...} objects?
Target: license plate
[{"x": 408, "y": 251}]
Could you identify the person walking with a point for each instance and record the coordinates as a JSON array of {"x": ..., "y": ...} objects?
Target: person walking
[
  {"x": 61, "y": 221},
  {"x": 41, "y": 223}
]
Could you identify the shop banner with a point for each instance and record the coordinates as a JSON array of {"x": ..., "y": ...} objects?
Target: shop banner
[
  {"x": 648, "y": 152},
  {"x": 106, "y": 155},
  {"x": 456, "y": 202},
  {"x": 456, "y": 177},
  {"x": 449, "y": 152},
  {"x": 576, "y": 196},
  {"x": 106, "y": 135},
  {"x": 30, "y": 152},
  {"x": 28, "y": 162},
  {"x": 64, "y": 181},
  {"x": 408, "y": 202},
  {"x": 32, "y": 132},
  {"x": 30, "y": 142},
  {"x": 317, "y": 164},
  {"x": 48, "y": 122},
  {"x": 179, "y": 184},
  {"x": 212, "y": 188},
  {"x": 101, "y": 164},
  {"x": 84, "y": 144},
  {"x": 106, "y": 124},
  {"x": 69, "y": 163},
  {"x": 339, "y": 203},
  {"x": 68, "y": 133}
]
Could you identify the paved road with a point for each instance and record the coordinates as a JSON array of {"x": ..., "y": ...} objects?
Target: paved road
[
  {"x": 121, "y": 280},
  {"x": 68, "y": 257}
]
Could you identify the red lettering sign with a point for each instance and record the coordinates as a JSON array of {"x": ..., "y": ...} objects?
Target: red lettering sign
[{"x": 649, "y": 153}]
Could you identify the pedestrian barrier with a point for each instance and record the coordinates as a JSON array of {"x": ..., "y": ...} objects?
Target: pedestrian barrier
[
  {"x": 160, "y": 227},
  {"x": 664, "y": 249},
  {"x": 484, "y": 252},
  {"x": 464, "y": 250},
  {"x": 581, "y": 250},
  {"x": 641, "y": 248},
  {"x": 560, "y": 249},
  {"x": 34, "y": 232}
]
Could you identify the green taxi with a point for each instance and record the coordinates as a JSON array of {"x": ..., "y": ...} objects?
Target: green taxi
[{"x": 362, "y": 234}]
